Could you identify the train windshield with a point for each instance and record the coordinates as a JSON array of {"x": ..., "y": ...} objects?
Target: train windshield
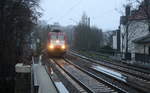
[
  {"x": 60, "y": 37},
  {"x": 57, "y": 37},
  {"x": 54, "y": 37}
]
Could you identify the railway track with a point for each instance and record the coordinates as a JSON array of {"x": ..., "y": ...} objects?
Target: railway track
[
  {"x": 136, "y": 72},
  {"x": 56, "y": 82},
  {"x": 121, "y": 64},
  {"x": 136, "y": 79},
  {"x": 145, "y": 77},
  {"x": 90, "y": 82}
]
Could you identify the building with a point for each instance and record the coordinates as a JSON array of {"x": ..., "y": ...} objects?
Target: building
[
  {"x": 135, "y": 35},
  {"x": 108, "y": 38},
  {"x": 116, "y": 40}
]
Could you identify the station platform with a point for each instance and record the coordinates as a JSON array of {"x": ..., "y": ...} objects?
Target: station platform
[
  {"x": 22, "y": 78},
  {"x": 45, "y": 84},
  {"x": 35, "y": 77}
]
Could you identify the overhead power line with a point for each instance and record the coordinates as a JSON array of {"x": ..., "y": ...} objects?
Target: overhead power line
[{"x": 70, "y": 10}]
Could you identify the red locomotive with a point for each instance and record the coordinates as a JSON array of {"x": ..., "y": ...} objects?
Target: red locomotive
[{"x": 57, "y": 43}]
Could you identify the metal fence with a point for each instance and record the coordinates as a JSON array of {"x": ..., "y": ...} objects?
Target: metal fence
[{"x": 142, "y": 57}]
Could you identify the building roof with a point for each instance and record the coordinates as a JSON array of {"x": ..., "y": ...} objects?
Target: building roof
[
  {"x": 143, "y": 40},
  {"x": 140, "y": 13}
]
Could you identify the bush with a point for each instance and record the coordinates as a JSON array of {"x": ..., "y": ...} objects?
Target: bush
[{"x": 107, "y": 48}]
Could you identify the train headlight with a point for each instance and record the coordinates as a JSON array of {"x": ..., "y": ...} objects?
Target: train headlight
[
  {"x": 63, "y": 46},
  {"x": 51, "y": 46},
  {"x": 57, "y": 41}
]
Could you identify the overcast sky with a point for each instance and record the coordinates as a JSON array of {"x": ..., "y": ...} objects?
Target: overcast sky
[{"x": 103, "y": 13}]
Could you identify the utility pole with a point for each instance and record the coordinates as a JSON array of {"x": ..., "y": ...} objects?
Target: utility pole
[
  {"x": 127, "y": 34},
  {"x": 127, "y": 26},
  {"x": 146, "y": 9}
]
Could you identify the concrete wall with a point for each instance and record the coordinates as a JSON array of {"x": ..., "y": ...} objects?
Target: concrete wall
[
  {"x": 122, "y": 38},
  {"x": 114, "y": 41},
  {"x": 136, "y": 30}
]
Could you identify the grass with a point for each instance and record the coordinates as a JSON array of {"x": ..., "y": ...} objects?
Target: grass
[
  {"x": 107, "y": 58},
  {"x": 93, "y": 55}
]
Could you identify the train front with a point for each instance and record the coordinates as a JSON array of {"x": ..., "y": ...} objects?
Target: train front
[{"x": 57, "y": 45}]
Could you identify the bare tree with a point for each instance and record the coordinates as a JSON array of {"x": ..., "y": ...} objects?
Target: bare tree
[
  {"x": 88, "y": 38},
  {"x": 16, "y": 20}
]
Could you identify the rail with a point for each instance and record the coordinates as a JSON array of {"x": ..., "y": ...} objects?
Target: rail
[{"x": 117, "y": 76}]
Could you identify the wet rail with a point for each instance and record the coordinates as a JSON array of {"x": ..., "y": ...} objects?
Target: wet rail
[
  {"x": 134, "y": 72},
  {"x": 135, "y": 79},
  {"x": 87, "y": 80},
  {"x": 122, "y": 65},
  {"x": 56, "y": 82}
]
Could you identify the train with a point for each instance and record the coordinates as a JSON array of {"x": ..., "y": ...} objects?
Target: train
[{"x": 57, "y": 43}]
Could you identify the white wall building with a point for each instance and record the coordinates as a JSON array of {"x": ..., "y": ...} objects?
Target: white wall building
[
  {"x": 114, "y": 41},
  {"x": 135, "y": 36}
]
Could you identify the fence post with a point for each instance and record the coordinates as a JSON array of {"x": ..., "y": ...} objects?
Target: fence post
[{"x": 36, "y": 89}]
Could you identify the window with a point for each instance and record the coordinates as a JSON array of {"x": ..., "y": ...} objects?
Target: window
[
  {"x": 53, "y": 37},
  {"x": 61, "y": 37}
]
